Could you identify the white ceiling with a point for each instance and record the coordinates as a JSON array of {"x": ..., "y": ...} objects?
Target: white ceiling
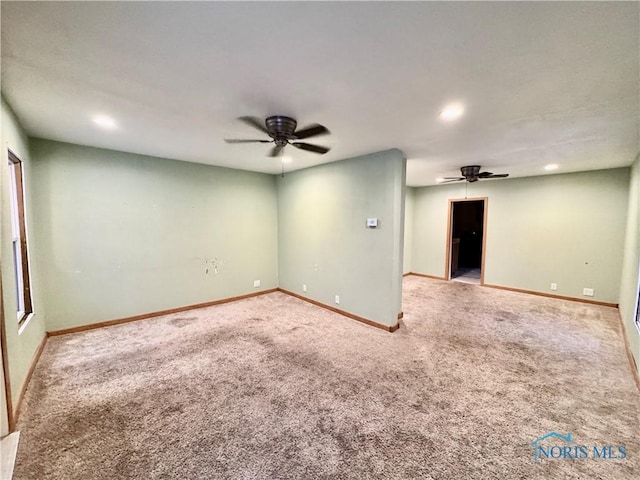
[{"x": 541, "y": 82}]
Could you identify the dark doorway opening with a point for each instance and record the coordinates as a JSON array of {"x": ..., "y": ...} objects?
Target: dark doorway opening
[{"x": 466, "y": 240}]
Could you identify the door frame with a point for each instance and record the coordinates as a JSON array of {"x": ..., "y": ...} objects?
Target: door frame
[{"x": 447, "y": 264}]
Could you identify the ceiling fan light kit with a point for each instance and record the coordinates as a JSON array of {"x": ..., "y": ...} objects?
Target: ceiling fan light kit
[{"x": 282, "y": 131}]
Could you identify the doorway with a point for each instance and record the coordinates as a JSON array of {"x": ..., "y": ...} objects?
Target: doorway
[{"x": 466, "y": 240}]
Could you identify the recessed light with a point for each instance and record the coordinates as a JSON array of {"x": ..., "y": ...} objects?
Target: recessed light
[
  {"x": 452, "y": 112},
  {"x": 551, "y": 166},
  {"x": 104, "y": 122},
  {"x": 286, "y": 159}
]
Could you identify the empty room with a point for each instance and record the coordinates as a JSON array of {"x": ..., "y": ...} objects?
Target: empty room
[{"x": 320, "y": 240}]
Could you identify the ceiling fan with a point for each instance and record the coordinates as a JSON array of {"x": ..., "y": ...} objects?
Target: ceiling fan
[
  {"x": 472, "y": 173},
  {"x": 282, "y": 131}
]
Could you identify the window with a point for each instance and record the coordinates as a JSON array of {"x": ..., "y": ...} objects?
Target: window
[{"x": 19, "y": 239}]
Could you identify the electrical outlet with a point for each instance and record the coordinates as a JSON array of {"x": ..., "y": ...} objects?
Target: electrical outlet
[
  {"x": 256, "y": 283},
  {"x": 588, "y": 292},
  {"x": 337, "y": 299},
  {"x": 304, "y": 287},
  {"x": 554, "y": 286}
]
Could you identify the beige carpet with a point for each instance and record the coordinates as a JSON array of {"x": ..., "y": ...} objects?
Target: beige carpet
[{"x": 275, "y": 388}]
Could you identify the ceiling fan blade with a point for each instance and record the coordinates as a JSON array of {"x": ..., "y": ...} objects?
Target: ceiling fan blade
[
  {"x": 451, "y": 180},
  {"x": 485, "y": 174},
  {"x": 255, "y": 123},
  {"x": 275, "y": 151},
  {"x": 310, "y": 131},
  {"x": 311, "y": 148},
  {"x": 498, "y": 175},
  {"x": 237, "y": 140}
]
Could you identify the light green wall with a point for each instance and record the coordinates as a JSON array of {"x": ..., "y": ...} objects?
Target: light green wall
[
  {"x": 123, "y": 234},
  {"x": 631, "y": 264},
  {"x": 21, "y": 346},
  {"x": 325, "y": 244},
  {"x": 429, "y": 228},
  {"x": 408, "y": 230},
  {"x": 566, "y": 229}
]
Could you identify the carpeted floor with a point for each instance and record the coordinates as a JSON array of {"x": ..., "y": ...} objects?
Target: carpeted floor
[{"x": 275, "y": 388}]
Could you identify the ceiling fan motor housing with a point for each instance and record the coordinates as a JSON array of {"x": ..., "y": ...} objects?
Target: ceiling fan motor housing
[
  {"x": 471, "y": 172},
  {"x": 281, "y": 129}
]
